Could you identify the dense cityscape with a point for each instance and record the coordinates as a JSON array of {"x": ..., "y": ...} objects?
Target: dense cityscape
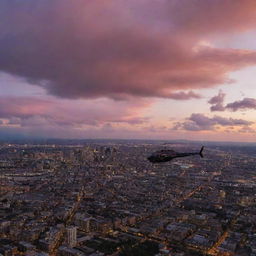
[
  {"x": 127, "y": 128},
  {"x": 104, "y": 198}
]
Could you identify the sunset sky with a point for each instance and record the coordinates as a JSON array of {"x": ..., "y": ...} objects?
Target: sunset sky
[{"x": 144, "y": 69}]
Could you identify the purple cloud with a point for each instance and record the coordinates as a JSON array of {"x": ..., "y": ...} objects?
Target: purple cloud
[
  {"x": 246, "y": 103},
  {"x": 118, "y": 49},
  {"x": 217, "y": 102},
  {"x": 200, "y": 122}
]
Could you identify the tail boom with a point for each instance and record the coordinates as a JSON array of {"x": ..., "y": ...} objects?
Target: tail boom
[{"x": 201, "y": 152}]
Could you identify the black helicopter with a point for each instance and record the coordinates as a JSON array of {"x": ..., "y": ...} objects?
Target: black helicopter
[{"x": 166, "y": 155}]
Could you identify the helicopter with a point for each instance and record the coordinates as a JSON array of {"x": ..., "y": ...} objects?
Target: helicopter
[{"x": 166, "y": 155}]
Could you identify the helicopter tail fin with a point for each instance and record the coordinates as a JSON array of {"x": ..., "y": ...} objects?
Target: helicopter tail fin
[{"x": 201, "y": 151}]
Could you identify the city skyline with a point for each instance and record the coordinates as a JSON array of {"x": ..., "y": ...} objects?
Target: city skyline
[{"x": 128, "y": 69}]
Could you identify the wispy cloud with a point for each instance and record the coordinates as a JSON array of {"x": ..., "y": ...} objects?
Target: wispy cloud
[{"x": 25, "y": 111}]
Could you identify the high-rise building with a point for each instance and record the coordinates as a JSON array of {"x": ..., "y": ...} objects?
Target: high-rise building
[{"x": 71, "y": 236}]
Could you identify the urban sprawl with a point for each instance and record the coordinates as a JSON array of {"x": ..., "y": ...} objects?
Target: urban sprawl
[{"x": 105, "y": 198}]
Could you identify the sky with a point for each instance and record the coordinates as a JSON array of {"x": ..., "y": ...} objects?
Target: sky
[{"x": 132, "y": 69}]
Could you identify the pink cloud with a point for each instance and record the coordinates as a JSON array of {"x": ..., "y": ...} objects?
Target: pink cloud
[
  {"x": 184, "y": 95},
  {"x": 209, "y": 17},
  {"x": 23, "y": 107},
  {"x": 91, "y": 49},
  {"x": 26, "y": 111}
]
